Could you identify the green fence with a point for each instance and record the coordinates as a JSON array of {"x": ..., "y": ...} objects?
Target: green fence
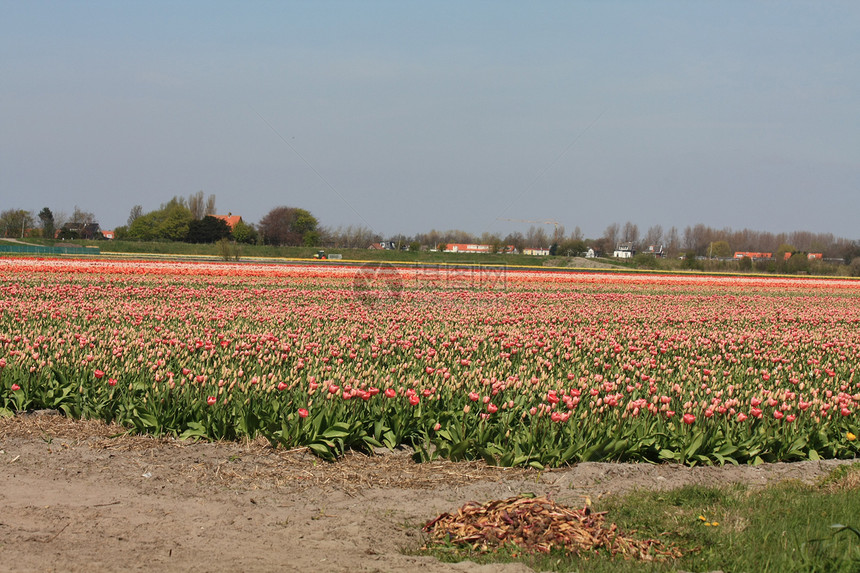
[{"x": 40, "y": 250}]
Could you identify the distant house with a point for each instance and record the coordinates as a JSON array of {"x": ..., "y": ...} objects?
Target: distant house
[
  {"x": 231, "y": 219},
  {"x": 539, "y": 252},
  {"x": 809, "y": 256},
  {"x": 590, "y": 253},
  {"x": 109, "y": 235},
  {"x": 753, "y": 255},
  {"x": 624, "y": 251},
  {"x": 467, "y": 248},
  {"x": 655, "y": 250},
  {"x": 87, "y": 231},
  {"x": 383, "y": 246}
]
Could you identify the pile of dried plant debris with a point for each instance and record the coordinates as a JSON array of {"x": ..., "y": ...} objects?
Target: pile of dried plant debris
[{"x": 538, "y": 525}]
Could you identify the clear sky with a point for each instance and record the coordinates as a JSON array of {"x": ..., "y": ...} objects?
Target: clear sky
[{"x": 406, "y": 116}]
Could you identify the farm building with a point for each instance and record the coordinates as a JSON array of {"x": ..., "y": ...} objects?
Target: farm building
[
  {"x": 467, "y": 248},
  {"x": 753, "y": 255},
  {"x": 539, "y": 252},
  {"x": 231, "y": 219},
  {"x": 624, "y": 251}
]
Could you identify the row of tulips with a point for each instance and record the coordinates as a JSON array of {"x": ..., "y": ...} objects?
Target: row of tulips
[{"x": 543, "y": 369}]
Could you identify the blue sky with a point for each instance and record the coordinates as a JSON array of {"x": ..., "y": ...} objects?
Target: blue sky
[{"x": 407, "y": 116}]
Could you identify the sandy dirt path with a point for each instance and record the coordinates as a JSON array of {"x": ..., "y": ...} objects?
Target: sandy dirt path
[{"x": 74, "y": 498}]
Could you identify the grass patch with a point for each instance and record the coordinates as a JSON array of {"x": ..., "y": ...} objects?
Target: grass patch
[{"x": 790, "y": 527}]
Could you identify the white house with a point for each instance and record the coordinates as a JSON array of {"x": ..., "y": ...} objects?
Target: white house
[{"x": 624, "y": 251}]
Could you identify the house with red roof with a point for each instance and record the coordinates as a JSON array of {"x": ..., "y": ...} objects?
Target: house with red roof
[{"x": 231, "y": 219}]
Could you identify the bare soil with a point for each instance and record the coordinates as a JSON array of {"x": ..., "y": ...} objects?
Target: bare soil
[{"x": 81, "y": 496}]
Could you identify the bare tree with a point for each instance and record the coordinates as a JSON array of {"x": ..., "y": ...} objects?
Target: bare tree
[
  {"x": 536, "y": 238},
  {"x": 630, "y": 233},
  {"x": 195, "y": 205},
  {"x": 210, "y": 206},
  {"x": 654, "y": 236},
  {"x": 200, "y": 208},
  {"x": 136, "y": 212},
  {"x": 673, "y": 242},
  {"x": 81, "y": 217},
  {"x": 610, "y": 237}
]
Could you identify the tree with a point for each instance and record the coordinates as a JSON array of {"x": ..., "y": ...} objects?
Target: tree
[
  {"x": 673, "y": 243},
  {"x": 81, "y": 217},
  {"x": 200, "y": 208},
  {"x": 176, "y": 222},
  {"x": 171, "y": 223},
  {"x": 720, "y": 250},
  {"x": 288, "y": 226},
  {"x": 244, "y": 233},
  {"x": 15, "y": 222},
  {"x": 610, "y": 237},
  {"x": 536, "y": 237},
  {"x": 81, "y": 225},
  {"x": 691, "y": 262},
  {"x": 515, "y": 240},
  {"x": 797, "y": 263},
  {"x": 47, "y": 218},
  {"x": 572, "y": 247},
  {"x": 136, "y": 212},
  {"x": 654, "y": 236},
  {"x": 209, "y": 229},
  {"x": 630, "y": 233}
]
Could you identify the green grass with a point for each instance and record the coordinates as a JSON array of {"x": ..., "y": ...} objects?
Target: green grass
[
  {"x": 269, "y": 251},
  {"x": 787, "y": 527},
  {"x": 249, "y": 252}
]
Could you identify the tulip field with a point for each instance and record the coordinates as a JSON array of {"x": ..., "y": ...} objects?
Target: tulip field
[{"x": 513, "y": 366}]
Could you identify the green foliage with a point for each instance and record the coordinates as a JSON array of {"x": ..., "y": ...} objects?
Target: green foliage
[
  {"x": 244, "y": 233},
  {"x": 289, "y": 226},
  {"x": 169, "y": 223},
  {"x": 207, "y": 230},
  {"x": 47, "y": 218},
  {"x": 720, "y": 250},
  {"x": 645, "y": 261},
  {"x": 15, "y": 222},
  {"x": 690, "y": 262},
  {"x": 786, "y": 527}
]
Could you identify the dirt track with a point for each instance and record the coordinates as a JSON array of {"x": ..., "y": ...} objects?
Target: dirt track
[{"x": 76, "y": 499}]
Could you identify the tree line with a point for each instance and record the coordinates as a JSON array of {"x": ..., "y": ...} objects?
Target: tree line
[{"x": 193, "y": 220}]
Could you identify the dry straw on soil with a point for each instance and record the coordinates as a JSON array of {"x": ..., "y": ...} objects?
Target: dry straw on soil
[{"x": 539, "y": 525}]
